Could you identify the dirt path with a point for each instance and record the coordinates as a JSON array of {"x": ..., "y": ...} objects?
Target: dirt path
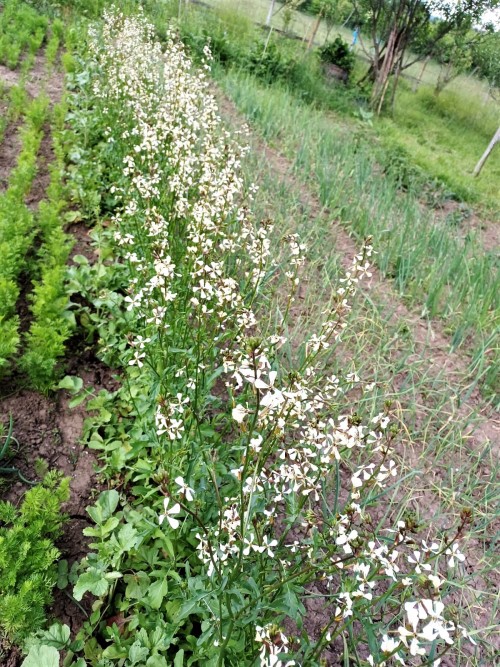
[
  {"x": 431, "y": 343},
  {"x": 39, "y": 79}
]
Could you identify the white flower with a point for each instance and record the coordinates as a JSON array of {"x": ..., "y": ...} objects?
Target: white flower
[
  {"x": 455, "y": 554},
  {"x": 256, "y": 443},
  {"x": 185, "y": 490},
  {"x": 239, "y": 413},
  {"x": 168, "y": 514},
  {"x": 389, "y": 645}
]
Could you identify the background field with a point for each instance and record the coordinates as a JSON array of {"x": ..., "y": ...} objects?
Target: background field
[{"x": 443, "y": 135}]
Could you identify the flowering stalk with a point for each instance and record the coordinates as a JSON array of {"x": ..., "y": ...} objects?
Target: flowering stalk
[{"x": 250, "y": 444}]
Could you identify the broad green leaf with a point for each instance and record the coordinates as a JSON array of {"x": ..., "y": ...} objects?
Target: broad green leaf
[
  {"x": 289, "y": 603},
  {"x": 105, "y": 506},
  {"x": 115, "y": 652},
  {"x": 137, "y": 654},
  {"x": 80, "y": 259},
  {"x": 57, "y": 636},
  {"x": 62, "y": 574},
  {"x": 109, "y": 525},
  {"x": 126, "y": 536},
  {"x": 42, "y": 656},
  {"x": 77, "y": 400},
  {"x": 137, "y": 585},
  {"x": 157, "y": 592},
  {"x": 72, "y": 216},
  {"x": 156, "y": 661},
  {"x": 72, "y": 383},
  {"x": 191, "y": 606},
  {"x": 179, "y": 658},
  {"x": 92, "y": 581}
]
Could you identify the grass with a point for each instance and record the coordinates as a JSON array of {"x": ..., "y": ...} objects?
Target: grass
[
  {"x": 445, "y": 136},
  {"x": 301, "y": 23},
  {"x": 433, "y": 266}
]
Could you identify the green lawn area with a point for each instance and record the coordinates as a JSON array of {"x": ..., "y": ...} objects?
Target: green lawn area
[{"x": 445, "y": 136}]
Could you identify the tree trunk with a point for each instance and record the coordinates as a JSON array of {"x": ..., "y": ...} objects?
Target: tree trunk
[
  {"x": 486, "y": 153},
  {"x": 397, "y": 74},
  {"x": 314, "y": 31},
  {"x": 270, "y": 13},
  {"x": 444, "y": 78},
  {"x": 382, "y": 80},
  {"x": 420, "y": 76}
]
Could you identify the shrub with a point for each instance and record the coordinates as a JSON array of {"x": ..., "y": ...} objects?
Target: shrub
[{"x": 338, "y": 53}]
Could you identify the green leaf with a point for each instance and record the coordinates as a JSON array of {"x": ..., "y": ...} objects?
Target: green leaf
[
  {"x": 191, "y": 606},
  {"x": 72, "y": 216},
  {"x": 80, "y": 259},
  {"x": 289, "y": 603},
  {"x": 179, "y": 658},
  {"x": 156, "y": 661},
  {"x": 77, "y": 400},
  {"x": 137, "y": 654},
  {"x": 72, "y": 383},
  {"x": 42, "y": 656},
  {"x": 127, "y": 536},
  {"x": 62, "y": 574},
  {"x": 57, "y": 636},
  {"x": 156, "y": 593},
  {"x": 105, "y": 506},
  {"x": 92, "y": 581},
  {"x": 137, "y": 585},
  {"x": 109, "y": 525}
]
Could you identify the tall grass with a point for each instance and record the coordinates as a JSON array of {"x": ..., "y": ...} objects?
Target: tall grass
[
  {"x": 379, "y": 345},
  {"x": 433, "y": 265}
]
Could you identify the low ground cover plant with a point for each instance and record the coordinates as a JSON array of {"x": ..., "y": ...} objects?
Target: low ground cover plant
[
  {"x": 246, "y": 485},
  {"x": 22, "y": 32},
  {"x": 28, "y": 557},
  {"x": 17, "y": 229}
]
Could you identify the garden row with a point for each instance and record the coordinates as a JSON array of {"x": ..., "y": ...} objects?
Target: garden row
[
  {"x": 23, "y": 30},
  {"x": 33, "y": 246},
  {"x": 223, "y": 457}
]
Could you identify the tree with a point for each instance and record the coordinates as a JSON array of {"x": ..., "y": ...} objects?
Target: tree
[
  {"x": 321, "y": 8},
  {"x": 393, "y": 25},
  {"x": 454, "y": 53},
  {"x": 486, "y": 59}
]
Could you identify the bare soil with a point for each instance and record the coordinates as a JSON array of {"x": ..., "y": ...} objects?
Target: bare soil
[
  {"x": 38, "y": 80},
  {"x": 48, "y": 430},
  {"x": 9, "y": 150}
]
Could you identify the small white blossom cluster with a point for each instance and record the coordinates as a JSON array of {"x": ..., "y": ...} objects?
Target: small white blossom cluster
[{"x": 179, "y": 153}]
